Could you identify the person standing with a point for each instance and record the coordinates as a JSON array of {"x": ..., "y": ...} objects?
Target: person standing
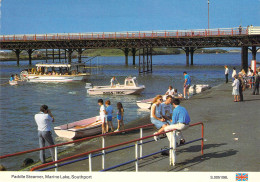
[
  {"x": 241, "y": 86},
  {"x": 226, "y": 73},
  {"x": 120, "y": 117},
  {"x": 186, "y": 85},
  {"x": 102, "y": 115},
  {"x": 43, "y": 120},
  {"x": 256, "y": 85},
  {"x": 234, "y": 73},
  {"x": 109, "y": 111},
  {"x": 180, "y": 121},
  {"x": 235, "y": 91}
]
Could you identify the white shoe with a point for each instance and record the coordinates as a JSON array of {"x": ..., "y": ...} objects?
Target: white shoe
[
  {"x": 116, "y": 130},
  {"x": 155, "y": 137}
]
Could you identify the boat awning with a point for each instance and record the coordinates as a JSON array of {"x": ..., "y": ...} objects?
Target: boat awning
[{"x": 54, "y": 65}]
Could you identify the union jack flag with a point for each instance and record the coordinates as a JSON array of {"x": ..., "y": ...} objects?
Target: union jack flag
[{"x": 241, "y": 176}]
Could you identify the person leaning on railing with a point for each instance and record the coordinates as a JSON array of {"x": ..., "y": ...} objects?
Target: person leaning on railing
[{"x": 180, "y": 121}]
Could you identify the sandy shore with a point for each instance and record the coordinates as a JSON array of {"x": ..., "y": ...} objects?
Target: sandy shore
[{"x": 231, "y": 138}]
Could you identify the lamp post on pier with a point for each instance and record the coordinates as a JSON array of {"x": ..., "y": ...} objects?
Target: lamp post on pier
[{"x": 208, "y": 14}]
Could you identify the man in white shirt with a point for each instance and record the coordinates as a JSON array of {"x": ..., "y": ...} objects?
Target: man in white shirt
[
  {"x": 43, "y": 120},
  {"x": 113, "y": 81},
  {"x": 226, "y": 73},
  {"x": 170, "y": 91}
]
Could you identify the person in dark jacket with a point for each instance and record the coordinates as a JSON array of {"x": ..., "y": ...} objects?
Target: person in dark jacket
[{"x": 256, "y": 84}]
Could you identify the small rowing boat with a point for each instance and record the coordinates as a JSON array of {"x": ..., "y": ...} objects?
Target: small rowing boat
[{"x": 80, "y": 129}]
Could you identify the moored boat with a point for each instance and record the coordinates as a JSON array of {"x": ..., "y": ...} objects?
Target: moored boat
[
  {"x": 130, "y": 87},
  {"x": 55, "y": 72},
  {"x": 79, "y": 129}
]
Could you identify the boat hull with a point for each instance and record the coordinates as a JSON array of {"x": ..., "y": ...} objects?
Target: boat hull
[
  {"x": 115, "y": 91},
  {"x": 145, "y": 104},
  {"x": 54, "y": 78},
  {"x": 79, "y": 129}
]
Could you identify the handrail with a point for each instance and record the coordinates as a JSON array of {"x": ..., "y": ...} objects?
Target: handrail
[
  {"x": 129, "y": 34},
  {"x": 116, "y": 145},
  {"x": 75, "y": 141}
]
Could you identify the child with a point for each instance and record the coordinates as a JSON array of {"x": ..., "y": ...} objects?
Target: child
[
  {"x": 102, "y": 115},
  {"x": 120, "y": 116},
  {"x": 109, "y": 111}
]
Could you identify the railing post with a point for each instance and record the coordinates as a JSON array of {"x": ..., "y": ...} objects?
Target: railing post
[
  {"x": 89, "y": 162},
  {"x": 56, "y": 158},
  {"x": 202, "y": 136},
  {"x": 141, "y": 142},
  {"x": 172, "y": 148},
  {"x": 136, "y": 157},
  {"x": 103, "y": 152}
]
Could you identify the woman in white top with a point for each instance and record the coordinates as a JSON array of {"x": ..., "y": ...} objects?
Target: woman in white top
[
  {"x": 156, "y": 115},
  {"x": 235, "y": 91}
]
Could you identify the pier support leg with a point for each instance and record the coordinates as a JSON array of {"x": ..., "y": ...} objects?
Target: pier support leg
[
  {"x": 254, "y": 53},
  {"x": 17, "y": 53},
  {"x": 30, "y": 51},
  {"x": 46, "y": 55},
  {"x": 133, "y": 52},
  {"x": 126, "y": 51},
  {"x": 187, "y": 51},
  {"x": 65, "y": 54},
  {"x": 244, "y": 58},
  {"x": 191, "y": 55},
  {"x": 79, "y": 55},
  {"x": 53, "y": 55},
  {"x": 70, "y": 55},
  {"x": 59, "y": 55}
]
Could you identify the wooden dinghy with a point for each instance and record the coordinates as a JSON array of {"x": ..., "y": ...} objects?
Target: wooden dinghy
[{"x": 79, "y": 129}]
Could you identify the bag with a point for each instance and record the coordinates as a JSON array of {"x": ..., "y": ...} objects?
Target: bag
[{"x": 166, "y": 152}]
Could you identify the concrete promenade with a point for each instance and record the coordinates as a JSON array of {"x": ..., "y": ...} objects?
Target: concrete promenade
[{"x": 231, "y": 138}]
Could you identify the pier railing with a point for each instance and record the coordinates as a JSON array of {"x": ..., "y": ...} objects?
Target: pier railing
[
  {"x": 130, "y": 35},
  {"x": 103, "y": 151}
]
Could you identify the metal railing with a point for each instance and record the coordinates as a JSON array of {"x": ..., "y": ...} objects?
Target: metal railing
[
  {"x": 128, "y": 35},
  {"x": 138, "y": 149},
  {"x": 92, "y": 154}
]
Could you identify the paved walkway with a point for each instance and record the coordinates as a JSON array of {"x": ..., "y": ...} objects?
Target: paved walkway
[{"x": 231, "y": 141}]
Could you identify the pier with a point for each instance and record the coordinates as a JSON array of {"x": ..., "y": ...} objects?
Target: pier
[{"x": 246, "y": 38}]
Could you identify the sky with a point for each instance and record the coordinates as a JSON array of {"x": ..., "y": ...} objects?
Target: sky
[{"x": 75, "y": 16}]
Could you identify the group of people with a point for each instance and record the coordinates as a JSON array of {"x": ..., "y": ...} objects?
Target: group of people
[
  {"x": 14, "y": 78},
  {"x": 106, "y": 116},
  {"x": 242, "y": 80},
  {"x": 169, "y": 115}
]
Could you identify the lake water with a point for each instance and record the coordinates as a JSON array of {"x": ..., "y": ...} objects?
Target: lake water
[{"x": 70, "y": 102}]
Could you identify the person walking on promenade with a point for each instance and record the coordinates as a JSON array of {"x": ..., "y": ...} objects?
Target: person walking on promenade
[
  {"x": 109, "y": 111},
  {"x": 156, "y": 115},
  {"x": 241, "y": 86},
  {"x": 180, "y": 121},
  {"x": 235, "y": 91},
  {"x": 234, "y": 73},
  {"x": 102, "y": 115},
  {"x": 120, "y": 117},
  {"x": 43, "y": 120},
  {"x": 226, "y": 73},
  {"x": 186, "y": 85},
  {"x": 256, "y": 85}
]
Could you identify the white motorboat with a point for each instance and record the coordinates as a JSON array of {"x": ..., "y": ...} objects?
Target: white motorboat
[
  {"x": 130, "y": 87},
  {"x": 55, "y": 72}
]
